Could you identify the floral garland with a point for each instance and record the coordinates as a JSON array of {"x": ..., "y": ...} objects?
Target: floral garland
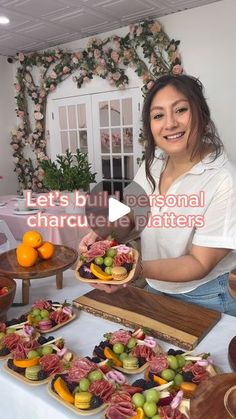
[{"x": 108, "y": 58}]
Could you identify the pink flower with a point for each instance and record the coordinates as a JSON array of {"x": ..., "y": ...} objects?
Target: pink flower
[
  {"x": 127, "y": 53},
  {"x": 53, "y": 75},
  {"x": 78, "y": 55},
  {"x": 38, "y": 116},
  {"x": 66, "y": 69},
  {"x": 49, "y": 59},
  {"x": 52, "y": 87},
  {"x": 21, "y": 56},
  {"x": 17, "y": 87},
  {"x": 37, "y": 108},
  {"x": 75, "y": 60},
  {"x": 150, "y": 84},
  {"x": 132, "y": 28},
  {"x": 20, "y": 114},
  {"x": 115, "y": 56},
  {"x": 177, "y": 69},
  {"x": 155, "y": 27},
  {"x": 116, "y": 76}
]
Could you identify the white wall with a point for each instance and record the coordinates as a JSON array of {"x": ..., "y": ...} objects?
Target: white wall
[
  {"x": 207, "y": 36},
  {"x": 7, "y": 121}
]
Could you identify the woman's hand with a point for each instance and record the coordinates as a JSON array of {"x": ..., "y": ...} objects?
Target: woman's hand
[
  {"x": 109, "y": 289},
  {"x": 87, "y": 241}
]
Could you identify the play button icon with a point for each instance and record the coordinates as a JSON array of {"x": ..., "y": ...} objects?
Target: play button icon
[
  {"x": 116, "y": 210},
  {"x": 106, "y": 213}
]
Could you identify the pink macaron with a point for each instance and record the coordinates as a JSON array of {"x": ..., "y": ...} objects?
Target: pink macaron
[{"x": 45, "y": 324}]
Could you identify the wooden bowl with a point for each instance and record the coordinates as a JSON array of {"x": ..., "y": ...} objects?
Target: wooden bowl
[
  {"x": 230, "y": 402},
  {"x": 6, "y": 299},
  {"x": 232, "y": 353}
]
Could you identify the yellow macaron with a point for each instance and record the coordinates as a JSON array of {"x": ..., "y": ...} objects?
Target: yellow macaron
[{"x": 82, "y": 400}]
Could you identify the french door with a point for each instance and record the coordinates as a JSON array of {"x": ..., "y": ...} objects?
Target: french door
[{"x": 106, "y": 126}]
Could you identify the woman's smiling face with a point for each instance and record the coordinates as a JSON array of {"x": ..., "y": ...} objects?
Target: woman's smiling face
[{"x": 171, "y": 122}]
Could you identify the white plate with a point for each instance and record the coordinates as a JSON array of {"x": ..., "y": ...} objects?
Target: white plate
[
  {"x": 26, "y": 212},
  {"x": 2, "y": 204}
]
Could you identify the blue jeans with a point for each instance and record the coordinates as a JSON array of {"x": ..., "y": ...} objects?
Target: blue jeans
[{"x": 213, "y": 295}]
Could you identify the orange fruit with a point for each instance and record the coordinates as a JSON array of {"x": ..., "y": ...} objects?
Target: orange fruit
[
  {"x": 46, "y": 250},
  {"x": 62, "y": 390},
  {"x": 25, "y": 363},
  {"x": 32, "y": 238},
  {"x": 139, "y": 414},
  {"x": 26, "y": 255},
  {"x": 99, "y": 273}
]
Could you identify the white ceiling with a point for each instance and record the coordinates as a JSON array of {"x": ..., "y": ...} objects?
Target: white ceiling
[{"x": 39, "y": 24}]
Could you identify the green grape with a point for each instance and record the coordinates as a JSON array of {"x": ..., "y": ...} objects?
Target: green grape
[
  {"x": 178, "y": 379},
  {"x": 32, "y": 354},
  {"x": 84, "y": 384},
  {"x": 44, "y": 314},
  {"x": 172, "y": 361},
  {"x": 98, "y": 260},
  {"x": 35, "y": 312},
  {"x": 10, "y": 330},
  {"x": 123, "y": 356},
  {"x": 2, "y": 335},
  {"x": 181, "y": 360},
  {"x": 111, "y": 252},
  {"x": 95, "y": 375},
  {"x": 150, "y": 409},
  {"x": 108, "y": 261},
  {"x": 152, "y": 395},
  {"x": 168, "y": 374},
  {"x": 156, "y": 417},
  {"x": 46, "y": 350},
  {"x": 132, "y": 343},
  {"x": 118, "y": 348},
  {"x": 138, "y": 399},
  {"x": 108, "y": 270}
]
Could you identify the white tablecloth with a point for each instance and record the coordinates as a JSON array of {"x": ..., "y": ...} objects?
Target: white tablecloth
[{"x": 21, "y": 401}]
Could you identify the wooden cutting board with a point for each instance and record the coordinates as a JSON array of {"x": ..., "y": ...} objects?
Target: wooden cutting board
[
  {"x": 232, "y": 353},
  {"x": 208, "y": 400},
  {"x": 171, "y": 320}
]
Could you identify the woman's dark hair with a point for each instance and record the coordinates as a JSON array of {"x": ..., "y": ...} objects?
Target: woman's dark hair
[{"x": 207, "y": 133}]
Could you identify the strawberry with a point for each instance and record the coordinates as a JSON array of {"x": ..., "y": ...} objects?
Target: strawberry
[
  {"x": 4, "y": 290},
  {"x": 105, "y": 366},
  {"x": 114, "y": 243},
  {"x": 139, "y": 334}
]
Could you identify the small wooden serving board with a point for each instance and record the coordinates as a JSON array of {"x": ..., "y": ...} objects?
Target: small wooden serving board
[{"x": 171, "y": 320}]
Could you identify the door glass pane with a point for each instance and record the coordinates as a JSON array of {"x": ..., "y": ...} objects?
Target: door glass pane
[
  {"x": 62, "y": 117},
  {"x": 81, "y": 112},
  {"x": 71, "y": 117},
  {"x": 118, "y": 187},
  {"x": 103, "y": 114},
  {"x": 129, "y": 167},
  {"x": 127, "y": 111},
  {"x": 128, "y": 140},
  {"x": 106, "y": 167},
  {"x": 105, "y": 141},
  {"x": 115, "y": 112},
  {"x": 83, "y": 141},
  {"x": 117, "y": 167},
  {"x": 116, "y": 140},
  {"x": 73, "y": 141},
  {"x": 64, "y": 142},
  {"x": 107, "y": 187}
]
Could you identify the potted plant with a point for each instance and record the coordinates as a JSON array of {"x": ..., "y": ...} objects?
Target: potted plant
[{"x": 70, "y": 172}]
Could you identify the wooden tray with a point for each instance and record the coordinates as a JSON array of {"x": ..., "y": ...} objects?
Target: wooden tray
[
  {"x": 208, "y": 400},
  {"x": 232, "y": 353},
  {"x": 58, "y": 326},
  {"x": 171, "y": 320},
  {"x": 112, "y": 281},
  {"x": 23, "y": 379},
  {"x": 74, "y": 409}
]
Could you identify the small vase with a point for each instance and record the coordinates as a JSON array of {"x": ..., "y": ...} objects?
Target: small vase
[{"x": 73, "y": 208}]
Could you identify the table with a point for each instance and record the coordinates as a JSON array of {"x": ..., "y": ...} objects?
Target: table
[
  {"x": 68, "y": 236},
  {"x": 62, "y": 259},
  {"x": 22, "y": 402}
]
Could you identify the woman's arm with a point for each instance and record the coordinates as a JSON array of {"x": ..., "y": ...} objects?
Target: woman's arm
[{"x": 193, "y": 266}]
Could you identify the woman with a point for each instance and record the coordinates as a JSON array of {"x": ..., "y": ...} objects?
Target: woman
[{"x": 184, "y": 156}]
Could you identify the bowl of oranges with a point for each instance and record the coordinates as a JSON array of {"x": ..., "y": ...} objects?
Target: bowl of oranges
[{"x": 33, "y": 248}]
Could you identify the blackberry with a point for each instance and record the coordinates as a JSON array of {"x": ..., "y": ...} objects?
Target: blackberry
[
  {"x": 72, "y": 386},
  {"x": 128, "y": 266},
  {"x": 42, "y": 375},
  {"x": 14, "y": 368},
  {"x": 95, "y": 402},
  {"x": 89, "y": 358},
  {"x": 9, "y": 323},
  {"x": 4, "y": 351},
  {"x": 141, "y": 361},
  {"x": 22, "y": 318},
  {"x": 50, "y": 338},
  {"x": 53, "y": 323},
  {"x": 42, "y": 340},
  {"x": 95, "y": 359},
  {"x": 173, "y": 352},
  {"x": 150, "y": 375},
  {"x": 49, "y": 301},
  {"x": 14, "y": 321},
  {"x": 99, "y": 352},
  {"x": 139, "y": 383},
  {"x": 150, "y": 384},
  {"x": 179, "y": 352},
  {"x": 187, "y": 376}
]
